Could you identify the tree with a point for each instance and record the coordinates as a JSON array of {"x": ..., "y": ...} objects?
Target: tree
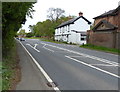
[
  {"x": 13, "y": 15},
  {"x": 47, "y": 28},
  {"x": 22, "y": 32},
  {"x": 55, "y": 13},
  {"x": 29, "y": 34}
]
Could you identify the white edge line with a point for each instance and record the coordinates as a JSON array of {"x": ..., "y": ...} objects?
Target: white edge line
[
  {"x": 40, "y": 68},
  {"x": 94, "y": 67}
]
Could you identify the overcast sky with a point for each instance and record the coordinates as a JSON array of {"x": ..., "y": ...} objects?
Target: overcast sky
[{"x": 90, "y": 9}]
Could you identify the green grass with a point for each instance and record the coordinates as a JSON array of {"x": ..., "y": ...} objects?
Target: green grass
[
  {"x": 101, "y": 48},
  {"x": 0, "y": 76},
  {"x": 8, "y": 65},
  {"x": 58, "y": 42},
  {"x": 6, "y": 75},
  {"x": 32, "y": 37},
  {"x": 49, "y": 40}
]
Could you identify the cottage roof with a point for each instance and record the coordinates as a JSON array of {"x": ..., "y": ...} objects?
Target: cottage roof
[
  {"x": 109, "y": 13},
  {"x": 71, "y": 21},
  {"x": 108, "y": 25}
]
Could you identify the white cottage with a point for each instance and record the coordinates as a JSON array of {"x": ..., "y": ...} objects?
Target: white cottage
[{"x": 73, "y": 31}]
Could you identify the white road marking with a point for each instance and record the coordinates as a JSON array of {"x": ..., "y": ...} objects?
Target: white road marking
[
  {"x": 78, "y": 56},
  {"x": 85, "y": 55},
  {"x": 41, "y": 69},
  {"x": 47, "y": 48},
  {"x": 93, "y": 67},
  {"x": 103, "y": 65},
  {"x": 33, "y": 47},
  {"x": 61, "y": 52}
]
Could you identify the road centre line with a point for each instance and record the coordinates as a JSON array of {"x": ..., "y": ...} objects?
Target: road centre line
[
  {"x": 93, "y": 67},
  {"x": 85, "y": 55},
  {"x": 41, "y": 69},
  {"x": 78, "y": 56},
  {"x": 104, "y": 65},
  {"x": 33, "y": 47},
  {"x": 47, "y": 48}
]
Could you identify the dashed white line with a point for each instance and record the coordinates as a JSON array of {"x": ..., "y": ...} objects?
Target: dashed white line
[
  {"x": 78, "y": 56},
  {"x": 93, "y": 67},
  {"x": 47, "y": 48},
  {"x": 85, "y": 55},
  {"x": 104, "y": 65}
]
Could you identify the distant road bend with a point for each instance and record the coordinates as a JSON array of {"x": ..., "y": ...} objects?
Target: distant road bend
[{"x": 70, "y": 67}]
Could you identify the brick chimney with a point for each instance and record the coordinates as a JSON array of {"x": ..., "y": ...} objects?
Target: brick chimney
[{"x": 80, "y": 14}]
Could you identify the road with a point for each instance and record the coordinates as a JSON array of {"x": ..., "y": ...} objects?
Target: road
[{"x": 73, "y": 68}]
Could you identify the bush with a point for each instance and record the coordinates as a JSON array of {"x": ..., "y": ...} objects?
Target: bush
[{"x": 29, "y": 35}]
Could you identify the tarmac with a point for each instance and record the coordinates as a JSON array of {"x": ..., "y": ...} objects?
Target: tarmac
[{"x": 31, "y": 76}]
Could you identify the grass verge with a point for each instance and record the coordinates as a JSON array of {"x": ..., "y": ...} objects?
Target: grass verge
[
  {"x": 50, "y": 40},
  {"x": 101, "y": 48},
  {"x": 32, "y": 37},
  {"x": 58, "y": 42},
  {"x": 10, "y": 70},
  {"x": 0, "y": 76}
]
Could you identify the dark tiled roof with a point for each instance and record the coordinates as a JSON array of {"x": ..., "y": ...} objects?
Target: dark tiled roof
[
  {"x": 105, "y": 14},
  {"x": 118, "y": 8},
  {"x": 111, "y": 12},
  {"x": 108, "y": 24},
  {"x": 71, "y": 21}
]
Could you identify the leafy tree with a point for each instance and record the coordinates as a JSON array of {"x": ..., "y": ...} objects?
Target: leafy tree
[
  {"x": 22, "y": 32},
  {"x": 29, "y": 34},
  {"x": 47, "y": 28},
  {"x": 13, "y": 15}
]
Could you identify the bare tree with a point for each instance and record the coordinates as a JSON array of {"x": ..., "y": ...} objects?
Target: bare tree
[{"x": 55, "y": 13}]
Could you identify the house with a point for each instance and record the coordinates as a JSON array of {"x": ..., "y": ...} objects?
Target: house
[
  {"x": 73, "y": 30},
  {"x": 106, "y": 30}
]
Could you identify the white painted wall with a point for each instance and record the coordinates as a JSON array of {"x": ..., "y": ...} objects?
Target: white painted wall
[{"x": 80, "y": 25}]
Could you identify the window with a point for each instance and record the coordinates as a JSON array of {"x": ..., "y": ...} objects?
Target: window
[
  {"x": 83, "y": 37},
  {"x": 68, "y": 28}
]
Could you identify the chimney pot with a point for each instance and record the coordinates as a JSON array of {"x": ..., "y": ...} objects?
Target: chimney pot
[{"x": 80, "y": 14}]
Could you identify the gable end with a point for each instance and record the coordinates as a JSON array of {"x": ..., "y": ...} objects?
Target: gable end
[{"x": 104, "y": 26}]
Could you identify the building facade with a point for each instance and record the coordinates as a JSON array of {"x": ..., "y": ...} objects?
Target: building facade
[
  {"x": 73, "y": 31},
  {"x": 106, "y": 30}
]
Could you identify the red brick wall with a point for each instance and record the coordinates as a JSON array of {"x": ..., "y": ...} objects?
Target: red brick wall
[
  {"x": 111, "y": 40},
  {"x": 118, "y": 19},
  {"x": 118, "y": 40},
  {"x": 102, "y": 39}
]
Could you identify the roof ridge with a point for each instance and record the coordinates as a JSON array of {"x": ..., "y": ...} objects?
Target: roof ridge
[{"x": 71, "y": 21}]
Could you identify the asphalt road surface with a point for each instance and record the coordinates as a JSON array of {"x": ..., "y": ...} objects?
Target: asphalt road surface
[{"x": 69, "y": 67}]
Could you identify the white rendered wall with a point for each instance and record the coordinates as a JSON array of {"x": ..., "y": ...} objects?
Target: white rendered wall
[{"x": 80, "y": 25}]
